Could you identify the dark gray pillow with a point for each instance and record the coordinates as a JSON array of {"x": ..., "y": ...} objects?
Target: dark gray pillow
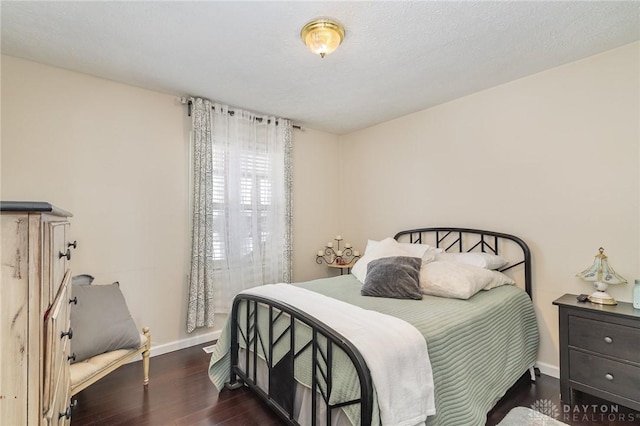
[
  {"x": 396, "y": 277},
  {"x": 101, "y": 321}
]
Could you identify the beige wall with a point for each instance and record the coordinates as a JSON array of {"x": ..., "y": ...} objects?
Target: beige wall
[
  {"x": 117, "y": 157},
  {"x": 552, "y": 158},
  {"x": 316, "y": 199}
]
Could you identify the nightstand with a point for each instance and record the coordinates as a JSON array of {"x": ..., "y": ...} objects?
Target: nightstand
[
  {"x": 599, "y": 351},
  {"x": 344, "y": 269}
]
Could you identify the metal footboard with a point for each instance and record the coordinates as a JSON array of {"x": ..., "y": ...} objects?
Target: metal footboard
[{"x": 282, "y": 320}]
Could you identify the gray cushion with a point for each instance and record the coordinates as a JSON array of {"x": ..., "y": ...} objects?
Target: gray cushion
[
  {"x": 83, "y": 279},
  {"x": 395, "y": 277},
  {"x": 101, "y": 321}
]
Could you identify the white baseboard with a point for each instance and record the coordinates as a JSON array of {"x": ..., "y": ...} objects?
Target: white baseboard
[
  {"x": 548, "y": 369},
  {"x": 184, "y": 343},
  {"x": 181, "y": 344}
]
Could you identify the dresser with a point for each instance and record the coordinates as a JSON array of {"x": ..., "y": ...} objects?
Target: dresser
[
  {"x": 599, "y": 351},
  {"x": 35, "y": 298}
]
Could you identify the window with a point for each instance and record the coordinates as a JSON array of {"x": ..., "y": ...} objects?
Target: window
[
  {"x": 241, "y": 207},
  {"x": 255, "y": 198}
]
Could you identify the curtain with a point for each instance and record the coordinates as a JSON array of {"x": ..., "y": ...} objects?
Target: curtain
[
  {"x": 200, "y": 307},
  {"x": 247, "y": 221}
]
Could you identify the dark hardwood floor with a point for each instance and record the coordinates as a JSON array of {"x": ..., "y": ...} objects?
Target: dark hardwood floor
[{"x": 180, "y": 393}]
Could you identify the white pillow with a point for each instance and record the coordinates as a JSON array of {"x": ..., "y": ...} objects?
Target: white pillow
[
  {"x": 454, "y": 280},
  {"x": 431, "y": 254},
  {"x": 377, "y": 250},
  {"x": 498, "y": 279},
  {"x": 481, "y": 260},
  {"x": 416, "y": 250}
]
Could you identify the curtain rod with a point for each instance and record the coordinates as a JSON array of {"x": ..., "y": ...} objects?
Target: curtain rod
[{"x": 230, "y": 112}]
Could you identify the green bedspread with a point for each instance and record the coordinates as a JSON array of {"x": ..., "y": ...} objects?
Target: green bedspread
[{"x": 478, "y": 347}]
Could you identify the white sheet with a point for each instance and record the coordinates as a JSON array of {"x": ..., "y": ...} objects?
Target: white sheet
[{"x": 402, "y": 379}]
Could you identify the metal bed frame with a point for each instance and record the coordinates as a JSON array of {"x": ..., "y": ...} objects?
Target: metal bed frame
[
  {"x": 281, "y": 383},
  {"x": 468, "y": 240}
]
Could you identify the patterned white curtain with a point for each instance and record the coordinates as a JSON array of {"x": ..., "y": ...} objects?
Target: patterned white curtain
[
  {"x": 244, "y": 227},
  {"x": 200, "y": 312}
]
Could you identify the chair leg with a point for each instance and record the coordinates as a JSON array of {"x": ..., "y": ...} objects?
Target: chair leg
[
  {"x": 145, "y": 356},
  {"x": 534, "y": 372}
]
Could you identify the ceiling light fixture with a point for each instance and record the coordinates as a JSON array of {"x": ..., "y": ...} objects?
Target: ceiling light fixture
[{"x": 322, "y": 36}]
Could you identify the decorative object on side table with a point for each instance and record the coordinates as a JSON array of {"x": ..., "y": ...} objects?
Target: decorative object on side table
[
  {"x": 336, "y": 257},
  {"x": 601, "y": 275}
]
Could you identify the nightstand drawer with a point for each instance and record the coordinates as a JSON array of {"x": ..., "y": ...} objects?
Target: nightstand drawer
[
  {"x": 604, "y": 374},
  {"x": 605, "y": 338}
]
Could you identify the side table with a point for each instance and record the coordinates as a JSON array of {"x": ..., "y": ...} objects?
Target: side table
[
  {"x": 599, "y": 351},
  {"x": 344, "y": 269}
]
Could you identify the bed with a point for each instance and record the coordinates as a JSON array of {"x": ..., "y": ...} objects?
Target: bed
[{"x": 309, "y": 373}]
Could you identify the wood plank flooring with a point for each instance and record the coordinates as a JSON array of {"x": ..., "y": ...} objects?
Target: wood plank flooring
[{"x": 180, "y": 393}]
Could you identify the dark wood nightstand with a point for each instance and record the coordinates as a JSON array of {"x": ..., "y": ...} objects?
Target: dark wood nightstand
[{"x": 599, "y": 351}]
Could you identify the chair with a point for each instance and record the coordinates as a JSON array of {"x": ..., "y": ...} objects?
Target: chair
[
  {"x": 89, "y": 371},
  {"x": 105, "y": 336}
]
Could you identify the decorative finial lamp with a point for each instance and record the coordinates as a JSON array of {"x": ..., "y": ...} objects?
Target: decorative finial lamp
[
  {"x": 335, "y": 256},
  {"x": 322, "y": 36},
  {"x": 601, "y": 275}
]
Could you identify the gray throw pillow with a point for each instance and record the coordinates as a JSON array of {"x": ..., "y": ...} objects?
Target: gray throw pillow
[
  {"x": 395, "y": 277},
  {"x": 101, "y": 321},
  {"x": 84, "y": 279}
]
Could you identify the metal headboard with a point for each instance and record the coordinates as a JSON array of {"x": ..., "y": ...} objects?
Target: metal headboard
[{"x": 467, "y": 240}]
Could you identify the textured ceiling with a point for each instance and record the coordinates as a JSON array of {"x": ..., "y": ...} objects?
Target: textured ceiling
[{"x": 397, "y": 57}]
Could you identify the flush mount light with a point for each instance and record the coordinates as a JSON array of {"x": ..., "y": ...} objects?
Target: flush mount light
[{"x": 322, "y": 36}]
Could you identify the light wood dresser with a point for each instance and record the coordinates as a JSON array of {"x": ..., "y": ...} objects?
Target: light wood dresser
[{"x": 35, "y": 295}]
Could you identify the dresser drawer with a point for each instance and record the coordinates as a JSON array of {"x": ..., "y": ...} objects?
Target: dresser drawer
[
  {"x": 604, "y": 374},
  {"x": 56, "y": 260},
  {"x": 605, "y": 338},
  {"x": 59, "y": 411},
  {"x": 56, "y": 340}
]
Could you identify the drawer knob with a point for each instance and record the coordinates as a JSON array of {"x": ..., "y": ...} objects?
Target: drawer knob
[
  {"x": 68, "y": 333},
  {"x": 74, "y": 300},
  {"x": 71, "y": 357},
  {"x": 66, "y": 413},
  {"x": 74, "y": 244},
  {"x": 608, "y": 339},
  {"x": 67, "y": 254},
  {"x": 608, "y": 377}
]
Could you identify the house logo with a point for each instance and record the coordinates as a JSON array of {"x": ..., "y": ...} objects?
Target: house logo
[{"x": 542, "y": 409}]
